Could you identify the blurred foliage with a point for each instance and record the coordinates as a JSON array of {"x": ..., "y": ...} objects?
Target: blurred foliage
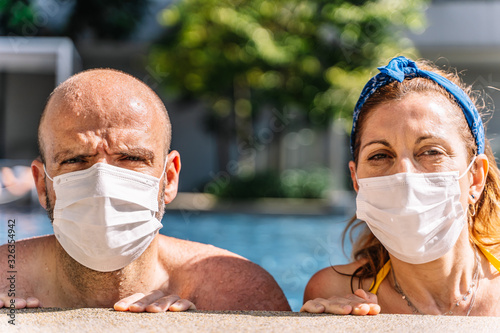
[
  {"x": 292, "y": 183},
  {"x": 309, "y": 58},
  {"x": 240, "y": 56},
  {"x": 110, "y": 19},
  {"x": 16, "y": 17}
]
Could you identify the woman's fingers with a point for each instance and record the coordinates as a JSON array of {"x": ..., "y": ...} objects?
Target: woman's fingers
[
  {"x": 335, "y": 305},
  {"x": 371, "y": 299},
  {"x": 360, "y": 303}
]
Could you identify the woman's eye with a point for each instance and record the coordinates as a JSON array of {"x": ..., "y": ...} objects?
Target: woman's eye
[
  {"x": 377, "y": 157},
  {"x": 432, "y": 152}
]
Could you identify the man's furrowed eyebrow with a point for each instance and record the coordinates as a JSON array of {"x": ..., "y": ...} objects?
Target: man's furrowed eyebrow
[
  {"x": 382, "y": 142},
  {"x": 142, "y": 152},
  {"x": 68, "y": 154}
]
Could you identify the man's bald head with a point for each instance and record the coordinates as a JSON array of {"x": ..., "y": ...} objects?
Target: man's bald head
[{"x": 97, "y": 89}]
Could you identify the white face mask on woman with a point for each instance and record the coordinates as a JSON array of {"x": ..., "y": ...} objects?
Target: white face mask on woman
[
  {"x": 417, "y": 217},
  {"x": 104, "y": 216}
]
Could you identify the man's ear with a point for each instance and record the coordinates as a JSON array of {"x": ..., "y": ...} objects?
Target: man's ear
[
  {"x": 352, "y": 168},
  {"x": 39, "y": 178},
  {"x": 172, "y": 175},
  {"x": 479, "y": 176}
]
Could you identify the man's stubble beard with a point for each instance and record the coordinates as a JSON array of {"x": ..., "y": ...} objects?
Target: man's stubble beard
[{"x": 84, "y": 279}]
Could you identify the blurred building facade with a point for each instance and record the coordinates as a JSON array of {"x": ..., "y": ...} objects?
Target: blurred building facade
[{"x": 465, "y": 35}]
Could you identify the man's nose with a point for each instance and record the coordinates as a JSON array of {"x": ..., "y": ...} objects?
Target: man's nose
[{"x": 103, "y": 159}]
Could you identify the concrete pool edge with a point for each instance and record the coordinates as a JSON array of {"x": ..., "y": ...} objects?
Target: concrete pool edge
[{"x": 99, "y": 319}]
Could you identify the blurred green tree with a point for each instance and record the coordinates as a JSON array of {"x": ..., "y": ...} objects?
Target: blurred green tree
[
  {"x": 312, "y": 56},
  {"x": 16, "y": 17}
]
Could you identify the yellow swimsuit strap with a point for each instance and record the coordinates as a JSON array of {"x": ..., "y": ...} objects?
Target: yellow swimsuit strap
[
  {"x": 387, "y": 268},
  {"x": 491, "y": 258},
  {"x": 380, "y": 277}
]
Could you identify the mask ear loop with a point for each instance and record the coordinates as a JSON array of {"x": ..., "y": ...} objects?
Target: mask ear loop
[
  {"x": 468, "y": 168},
  {"x": 471, "y": 206},
  {"x": 45, "y": 170},
  {"x": 164, "y": 168}
]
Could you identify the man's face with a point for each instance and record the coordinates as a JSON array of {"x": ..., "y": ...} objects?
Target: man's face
[{"x": 114, "y": 127}]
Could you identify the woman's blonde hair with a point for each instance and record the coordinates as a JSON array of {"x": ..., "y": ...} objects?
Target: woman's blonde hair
[{"x": 483, "y": 216}]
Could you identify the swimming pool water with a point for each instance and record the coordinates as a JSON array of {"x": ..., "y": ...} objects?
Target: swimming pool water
[{"x": 291, "y": 248}]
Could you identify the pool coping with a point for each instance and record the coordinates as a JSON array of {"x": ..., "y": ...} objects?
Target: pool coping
[{"x": 108, "y": 320}]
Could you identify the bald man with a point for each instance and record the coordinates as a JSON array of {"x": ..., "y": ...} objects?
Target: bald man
[{"x": 104, "y": 175}]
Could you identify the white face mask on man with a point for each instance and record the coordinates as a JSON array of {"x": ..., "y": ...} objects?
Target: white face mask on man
[
  {"x": 417, "y": 217},
  {"x": 104, "y": 216}
]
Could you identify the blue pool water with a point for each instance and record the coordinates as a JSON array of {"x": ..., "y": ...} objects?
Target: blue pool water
[{"x": 291, "y": 248}]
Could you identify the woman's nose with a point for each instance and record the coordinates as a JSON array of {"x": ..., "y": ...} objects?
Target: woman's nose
[{"x": 405, "y": 165}]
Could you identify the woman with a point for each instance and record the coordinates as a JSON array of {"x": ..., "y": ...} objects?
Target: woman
[{"x": 428, "y": 190}]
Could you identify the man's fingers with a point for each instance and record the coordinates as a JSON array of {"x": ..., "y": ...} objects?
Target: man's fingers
[
  {"x": 141, "y": 304},
  {"x": 123, "y": 304},
  {"x": 162, "y": 304},
  {"x": 170, "y": 303},
  {"x": 20, "y": 303},
  {"x": 155, "y": 301},
  {"x": 32, "y": 302},
  {"x": 182, "y": 305},
  {"x": 4, "y": 300}
]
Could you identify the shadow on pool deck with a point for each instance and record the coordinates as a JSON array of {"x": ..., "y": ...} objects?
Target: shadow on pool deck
[{"x": 107, "y": 320}]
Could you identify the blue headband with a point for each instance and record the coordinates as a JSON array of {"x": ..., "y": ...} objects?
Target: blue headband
[{"x": 401, "y": 68}]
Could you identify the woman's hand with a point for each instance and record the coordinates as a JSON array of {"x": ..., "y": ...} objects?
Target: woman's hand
[
  {"x": 155, "y": 301},
  {"x": 360, "y": 303}
]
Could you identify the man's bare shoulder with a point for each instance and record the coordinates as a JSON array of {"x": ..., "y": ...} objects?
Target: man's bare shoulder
[
  {"x": 29, "y": 249},
  {"x": 333, "y": 281},
  {"x": 186, "y": 251},
  {"x": 31, "y": 260},
  {"x": 218, "y": 279}
]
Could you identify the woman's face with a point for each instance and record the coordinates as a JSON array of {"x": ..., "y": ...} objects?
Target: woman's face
[{"x": 416, "y": 134}]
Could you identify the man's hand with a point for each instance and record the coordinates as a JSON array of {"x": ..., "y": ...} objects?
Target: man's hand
[
  {"x": 19, "y": 303},
  {"x": 360, "y": 303},
  {"x": 155, "y": 301}
]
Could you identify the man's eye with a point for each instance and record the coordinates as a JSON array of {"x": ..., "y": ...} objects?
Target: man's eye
[
  {"x": 72, "y": 160},
  {"x": 134, "y": 158}
]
